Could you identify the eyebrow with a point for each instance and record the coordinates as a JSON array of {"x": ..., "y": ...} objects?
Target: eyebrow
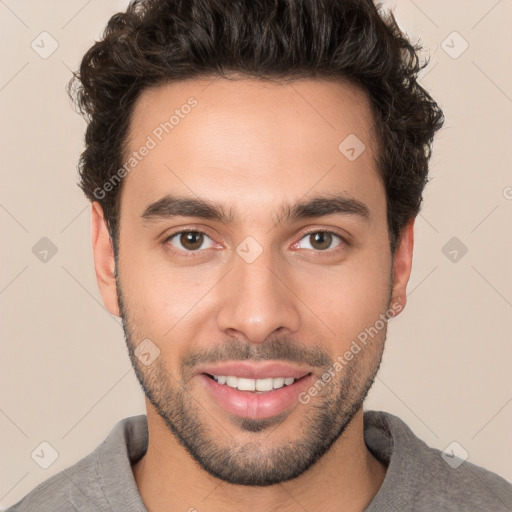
[{"x": 317, "y": 206}]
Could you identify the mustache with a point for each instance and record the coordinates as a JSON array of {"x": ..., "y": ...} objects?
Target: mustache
[{"x": 276, "y": 349}]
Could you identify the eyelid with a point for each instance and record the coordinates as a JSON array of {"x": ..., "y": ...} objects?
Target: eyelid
[{"x": 187, "y": 229}]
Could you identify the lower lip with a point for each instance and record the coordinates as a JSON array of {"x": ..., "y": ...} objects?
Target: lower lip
[{"x": 249, "y": 404}]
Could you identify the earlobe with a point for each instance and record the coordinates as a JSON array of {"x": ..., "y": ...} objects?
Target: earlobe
[
  {"x": 402, "y": 264},
  {"x": 104, "y": 261}
]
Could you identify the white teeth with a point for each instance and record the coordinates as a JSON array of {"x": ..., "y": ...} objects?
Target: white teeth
[
  {"x": 265, "y": 384},
  {"x": 279, "y": 382},
  {"x": 232, "y": 381},
  {"x": 244, "y": 384}
]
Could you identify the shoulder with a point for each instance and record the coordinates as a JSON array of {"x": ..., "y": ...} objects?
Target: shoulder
[
  {"x": 69, "y": 490},
  {"x": 98, "y": 481},
  {"x": 420, "y": 477}
]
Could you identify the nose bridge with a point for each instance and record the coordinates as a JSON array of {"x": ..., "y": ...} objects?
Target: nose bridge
[{"x": 256, "y": 300}]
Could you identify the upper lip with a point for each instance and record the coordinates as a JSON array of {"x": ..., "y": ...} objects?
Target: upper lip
[{"x": 248, "y": 370}]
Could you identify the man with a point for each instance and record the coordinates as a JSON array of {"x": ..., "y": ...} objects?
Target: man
[{"x": 255, "y": 168}]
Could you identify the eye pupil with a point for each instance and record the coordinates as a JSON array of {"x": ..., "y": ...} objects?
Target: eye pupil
[
  {"x": 321, "y": 240},
  {"x": 192, "y": 240}
]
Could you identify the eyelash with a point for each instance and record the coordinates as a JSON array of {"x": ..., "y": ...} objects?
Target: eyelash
[{"x": 191, "y": 254}]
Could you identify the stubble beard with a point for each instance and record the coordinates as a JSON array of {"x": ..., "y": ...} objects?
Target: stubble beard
[{"x": 322, "y": 421}]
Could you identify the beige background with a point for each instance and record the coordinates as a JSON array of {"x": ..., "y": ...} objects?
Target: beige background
[{"x": 64, "y": 372}]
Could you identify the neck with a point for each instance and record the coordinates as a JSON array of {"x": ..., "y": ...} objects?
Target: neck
[{"x": 346, "y": 478}]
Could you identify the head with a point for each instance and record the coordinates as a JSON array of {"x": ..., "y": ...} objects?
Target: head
[{"x": 255, "y": 169}]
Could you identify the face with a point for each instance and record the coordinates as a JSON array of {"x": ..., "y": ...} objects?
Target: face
[{"x": 253, "y": 259}]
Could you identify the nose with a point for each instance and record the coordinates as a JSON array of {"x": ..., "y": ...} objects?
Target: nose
[{"x": 257, "y": 301}]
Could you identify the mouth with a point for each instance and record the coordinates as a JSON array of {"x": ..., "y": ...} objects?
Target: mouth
[{"x": 255, "y": 398}]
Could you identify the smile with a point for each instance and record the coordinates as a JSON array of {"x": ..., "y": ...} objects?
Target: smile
[{"x": 256, "y": 385}]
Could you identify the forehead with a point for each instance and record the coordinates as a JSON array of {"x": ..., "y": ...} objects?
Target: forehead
[{"x": 262, "y": 141}]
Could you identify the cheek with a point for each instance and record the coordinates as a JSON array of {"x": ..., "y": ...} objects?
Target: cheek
[
  {"x": 350, "y": 298},
  {"x": 154, "y": 285},
  {"x": 166, "y": 302}
]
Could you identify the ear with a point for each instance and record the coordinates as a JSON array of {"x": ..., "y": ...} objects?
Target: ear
[
  {"x": 104, "y": 262},
  {"x": 402, "y": 264}
]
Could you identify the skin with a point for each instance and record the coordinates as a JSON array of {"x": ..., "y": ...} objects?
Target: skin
[{"x": 252, "y": 147}]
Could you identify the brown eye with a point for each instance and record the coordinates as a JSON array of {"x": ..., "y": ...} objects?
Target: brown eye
[
  {"x": 320, "y": 241},
  {"x": 189, "y": 241}
]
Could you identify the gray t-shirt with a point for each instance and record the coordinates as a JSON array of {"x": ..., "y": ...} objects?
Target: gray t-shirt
[{"x": 417, "y": 478}]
